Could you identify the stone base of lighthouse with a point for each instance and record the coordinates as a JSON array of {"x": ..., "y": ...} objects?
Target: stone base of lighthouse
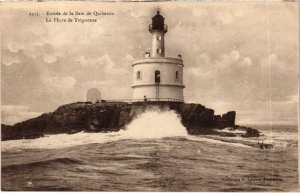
[{"x": 158, "y": 79}]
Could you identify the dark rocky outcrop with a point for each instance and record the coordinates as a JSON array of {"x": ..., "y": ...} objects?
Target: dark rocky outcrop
[
  {"x": 109, "y": 117},
  {"x": 250, "y": 132}
]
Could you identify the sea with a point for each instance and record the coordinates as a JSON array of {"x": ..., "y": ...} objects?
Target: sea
[{"x": 153, "y": 153}]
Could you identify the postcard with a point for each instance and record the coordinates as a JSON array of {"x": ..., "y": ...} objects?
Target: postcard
[{"x": 150, "y": 96}]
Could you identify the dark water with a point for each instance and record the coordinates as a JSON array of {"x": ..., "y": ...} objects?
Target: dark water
[
  {"x": 154, "y": 153},
  {"x": 161, "y": 164}
]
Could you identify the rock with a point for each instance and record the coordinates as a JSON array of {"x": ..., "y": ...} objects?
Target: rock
[
  {"x": 109, "y": 117},
  {"x": 251, "y": 133},
  {"x": 227, "y": 120},
  {"x": 230, "y": 117}
]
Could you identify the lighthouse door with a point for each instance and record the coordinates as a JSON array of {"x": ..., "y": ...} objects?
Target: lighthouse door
[{"x": 157, "y": 76}]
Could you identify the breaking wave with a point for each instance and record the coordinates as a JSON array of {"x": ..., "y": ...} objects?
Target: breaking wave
[
  {"x": 155, "y": 124},
  {"x": 152, "y": 124}
]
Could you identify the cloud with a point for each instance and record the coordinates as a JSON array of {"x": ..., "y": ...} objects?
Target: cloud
[
  {"x": 194, "y": 70},
  {"x": 60, "y": 84},
  {"x": 50, "y": 58},
  {"x": 226, "y": 60},
  {"x": 14, "y": 47},
  {"x": 210, "y": 68},
  {"x": 219, "y": 14},
  {"x": 234, "y": 77},
  {"x": 234, "y": 55},
  {"x": 97, "y": 84},
  {"x": 293, "y": 99},
  {"x": 247, "y": 62},
  {"x": 9, "y": 60},
  {"x": 138, "y": 13},
  {"x": 104, "y": 61},
  {"x": 11, "y": 114},
  {"x": 129, "y": 57}
]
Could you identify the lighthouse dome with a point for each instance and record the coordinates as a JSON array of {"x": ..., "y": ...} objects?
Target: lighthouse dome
[{"x": 158, "y": 22}]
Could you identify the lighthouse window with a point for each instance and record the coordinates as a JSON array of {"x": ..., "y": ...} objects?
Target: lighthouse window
[
  {"x": 138, "y": 75},
  {"x": 158, "y": 51},
  {"x": 158, "y": 37},
  {"x": 176, "y": 75}
]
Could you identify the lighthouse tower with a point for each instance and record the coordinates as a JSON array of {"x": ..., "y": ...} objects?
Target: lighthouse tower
[{"x": 156, "y": 77}]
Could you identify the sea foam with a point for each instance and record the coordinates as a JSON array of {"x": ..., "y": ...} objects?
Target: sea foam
[
  {"x": 151, "y": 124},
  {"x": 155, "y": 124}
]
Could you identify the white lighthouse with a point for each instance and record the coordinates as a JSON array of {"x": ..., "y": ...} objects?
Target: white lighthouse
[{"x": 156, "y": 77}]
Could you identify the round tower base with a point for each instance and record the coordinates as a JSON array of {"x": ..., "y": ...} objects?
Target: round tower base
[{"x": 159, "y": 92}]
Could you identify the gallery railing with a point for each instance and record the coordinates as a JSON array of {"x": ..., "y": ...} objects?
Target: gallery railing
[{"x": 162, "y": 28}]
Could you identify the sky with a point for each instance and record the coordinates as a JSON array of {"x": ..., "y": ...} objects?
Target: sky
[{"x": 240, "y": 56}]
